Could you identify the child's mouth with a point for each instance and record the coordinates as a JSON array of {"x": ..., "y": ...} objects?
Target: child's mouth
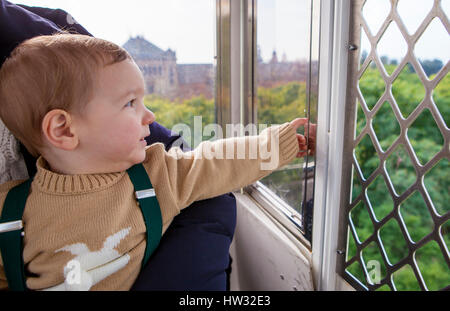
[{"x": 143, "y": 139}]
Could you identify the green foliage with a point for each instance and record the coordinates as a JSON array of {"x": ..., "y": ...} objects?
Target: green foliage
[
  {"x": 190, "y": 111},
  {"x": 426, "y": 140},
  {"x": 366, "y": 155},
  {"x": 408, "y": 91},
  {"x": 278, "y": 105},
  {"x": 281, "y": 104},
  {"x": 372, "y": 86},
  {"x": 441, "y": 97},
  {"x": 405, "y": 280},
  {"x": 400, "y": 169},
  {"x": 437, "y": 183},
  {"x": 417, "y": 218},
  {"x": 358, "y": 216},
  {"x": 433, "y": 266},
  {"x": 385, "y": 126}
]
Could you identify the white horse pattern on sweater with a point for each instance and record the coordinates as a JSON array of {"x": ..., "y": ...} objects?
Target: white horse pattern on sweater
[{"x": 90, "y": 267}]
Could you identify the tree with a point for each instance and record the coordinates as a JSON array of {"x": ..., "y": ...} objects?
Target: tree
[
  {"x": 431, "y": 66},
  {"x": 426, "y": 139}
]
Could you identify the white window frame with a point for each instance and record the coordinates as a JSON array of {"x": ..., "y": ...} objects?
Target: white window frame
[
  {"x": 243, "y": 104},
  {"x": 333, "y": 60}
]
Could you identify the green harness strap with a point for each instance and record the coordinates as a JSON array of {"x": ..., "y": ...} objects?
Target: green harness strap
[
  {"x": 149, "y": 207},
  {"x": 11, "y": 226},
  {"x": 11, "y": 235}
]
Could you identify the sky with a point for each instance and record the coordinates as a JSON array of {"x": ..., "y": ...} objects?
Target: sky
[
  {"x": 433, "y": 43},
  {"x": 284, "y": 26},
  {"x": 188, "y": 26}
]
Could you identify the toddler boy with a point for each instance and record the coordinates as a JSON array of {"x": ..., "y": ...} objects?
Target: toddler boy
[{"x": 77, "y": 103}]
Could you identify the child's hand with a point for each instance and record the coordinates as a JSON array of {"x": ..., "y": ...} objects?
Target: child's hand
[{"x": 306, "y": 146}]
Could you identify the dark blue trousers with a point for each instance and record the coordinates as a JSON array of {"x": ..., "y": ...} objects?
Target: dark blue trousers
[{"x": 194, "y": 251}]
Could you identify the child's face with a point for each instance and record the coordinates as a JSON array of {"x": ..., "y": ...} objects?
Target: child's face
[{"x": 114, "y": 124}]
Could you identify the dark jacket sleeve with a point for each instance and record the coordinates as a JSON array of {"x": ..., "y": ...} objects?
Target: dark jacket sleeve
[
  {"x": 160, "y": 134},
  {"x": 18, "y": 25},
  {"x": 59, "y": 17}
]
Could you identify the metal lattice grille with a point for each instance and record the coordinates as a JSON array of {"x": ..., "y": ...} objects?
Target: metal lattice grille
[{"x": 394, "y": 219}]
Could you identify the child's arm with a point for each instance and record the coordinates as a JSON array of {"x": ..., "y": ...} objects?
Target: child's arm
[{"x": 218, "y": 167}]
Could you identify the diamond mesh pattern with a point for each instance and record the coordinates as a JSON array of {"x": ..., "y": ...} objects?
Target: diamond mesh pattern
[{"x": 401, "y": 165}]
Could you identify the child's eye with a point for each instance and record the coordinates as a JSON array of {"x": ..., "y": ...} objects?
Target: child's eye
[{"x": 130, "y": 103}]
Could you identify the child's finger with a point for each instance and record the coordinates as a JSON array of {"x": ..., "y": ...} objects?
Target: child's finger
[
  {"x": 299, "y": 122},
  {"x": 312, "y": 145},
  {"x": 302, "y": 144},
  {"x": 301, "y": 139}
]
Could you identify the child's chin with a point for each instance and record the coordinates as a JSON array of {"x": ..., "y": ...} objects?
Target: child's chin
[{"x": 140, "y": 158}]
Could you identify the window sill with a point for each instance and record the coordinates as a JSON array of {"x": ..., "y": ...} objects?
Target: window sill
[
  {"x": 266, "y": 255},
  {"x": 279, "y": 210}
]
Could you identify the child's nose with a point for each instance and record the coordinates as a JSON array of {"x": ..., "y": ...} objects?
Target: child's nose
[{"x": 149, "y": 117}]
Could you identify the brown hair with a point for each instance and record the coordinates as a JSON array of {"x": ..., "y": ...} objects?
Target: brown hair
[{"x": 51, "y": 72}]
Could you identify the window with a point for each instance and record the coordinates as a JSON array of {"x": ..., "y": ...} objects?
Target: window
[
  {"x": 173, "y": 43},
  {"x": 285, "y": 73},
  {"x": 398, "y": 212}
]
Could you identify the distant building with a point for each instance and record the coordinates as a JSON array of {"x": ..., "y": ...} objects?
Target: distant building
[
  {"x": 162, "y": 74},
  {"x": 275, "y": 72}
]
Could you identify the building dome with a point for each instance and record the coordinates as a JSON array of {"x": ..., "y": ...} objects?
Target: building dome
[{"x": 141, "y": 49}]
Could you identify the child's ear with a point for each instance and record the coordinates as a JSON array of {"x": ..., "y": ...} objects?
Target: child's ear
[{"x": 58, "y": 130}]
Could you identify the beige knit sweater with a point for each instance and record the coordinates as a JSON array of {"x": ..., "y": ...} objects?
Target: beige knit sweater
[{"x": 87, "y": 232}]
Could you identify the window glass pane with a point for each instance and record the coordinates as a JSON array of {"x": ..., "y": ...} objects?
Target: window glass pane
[
  {"x": 172, "y": 42},
  {"x": 283, "y": 67}
]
